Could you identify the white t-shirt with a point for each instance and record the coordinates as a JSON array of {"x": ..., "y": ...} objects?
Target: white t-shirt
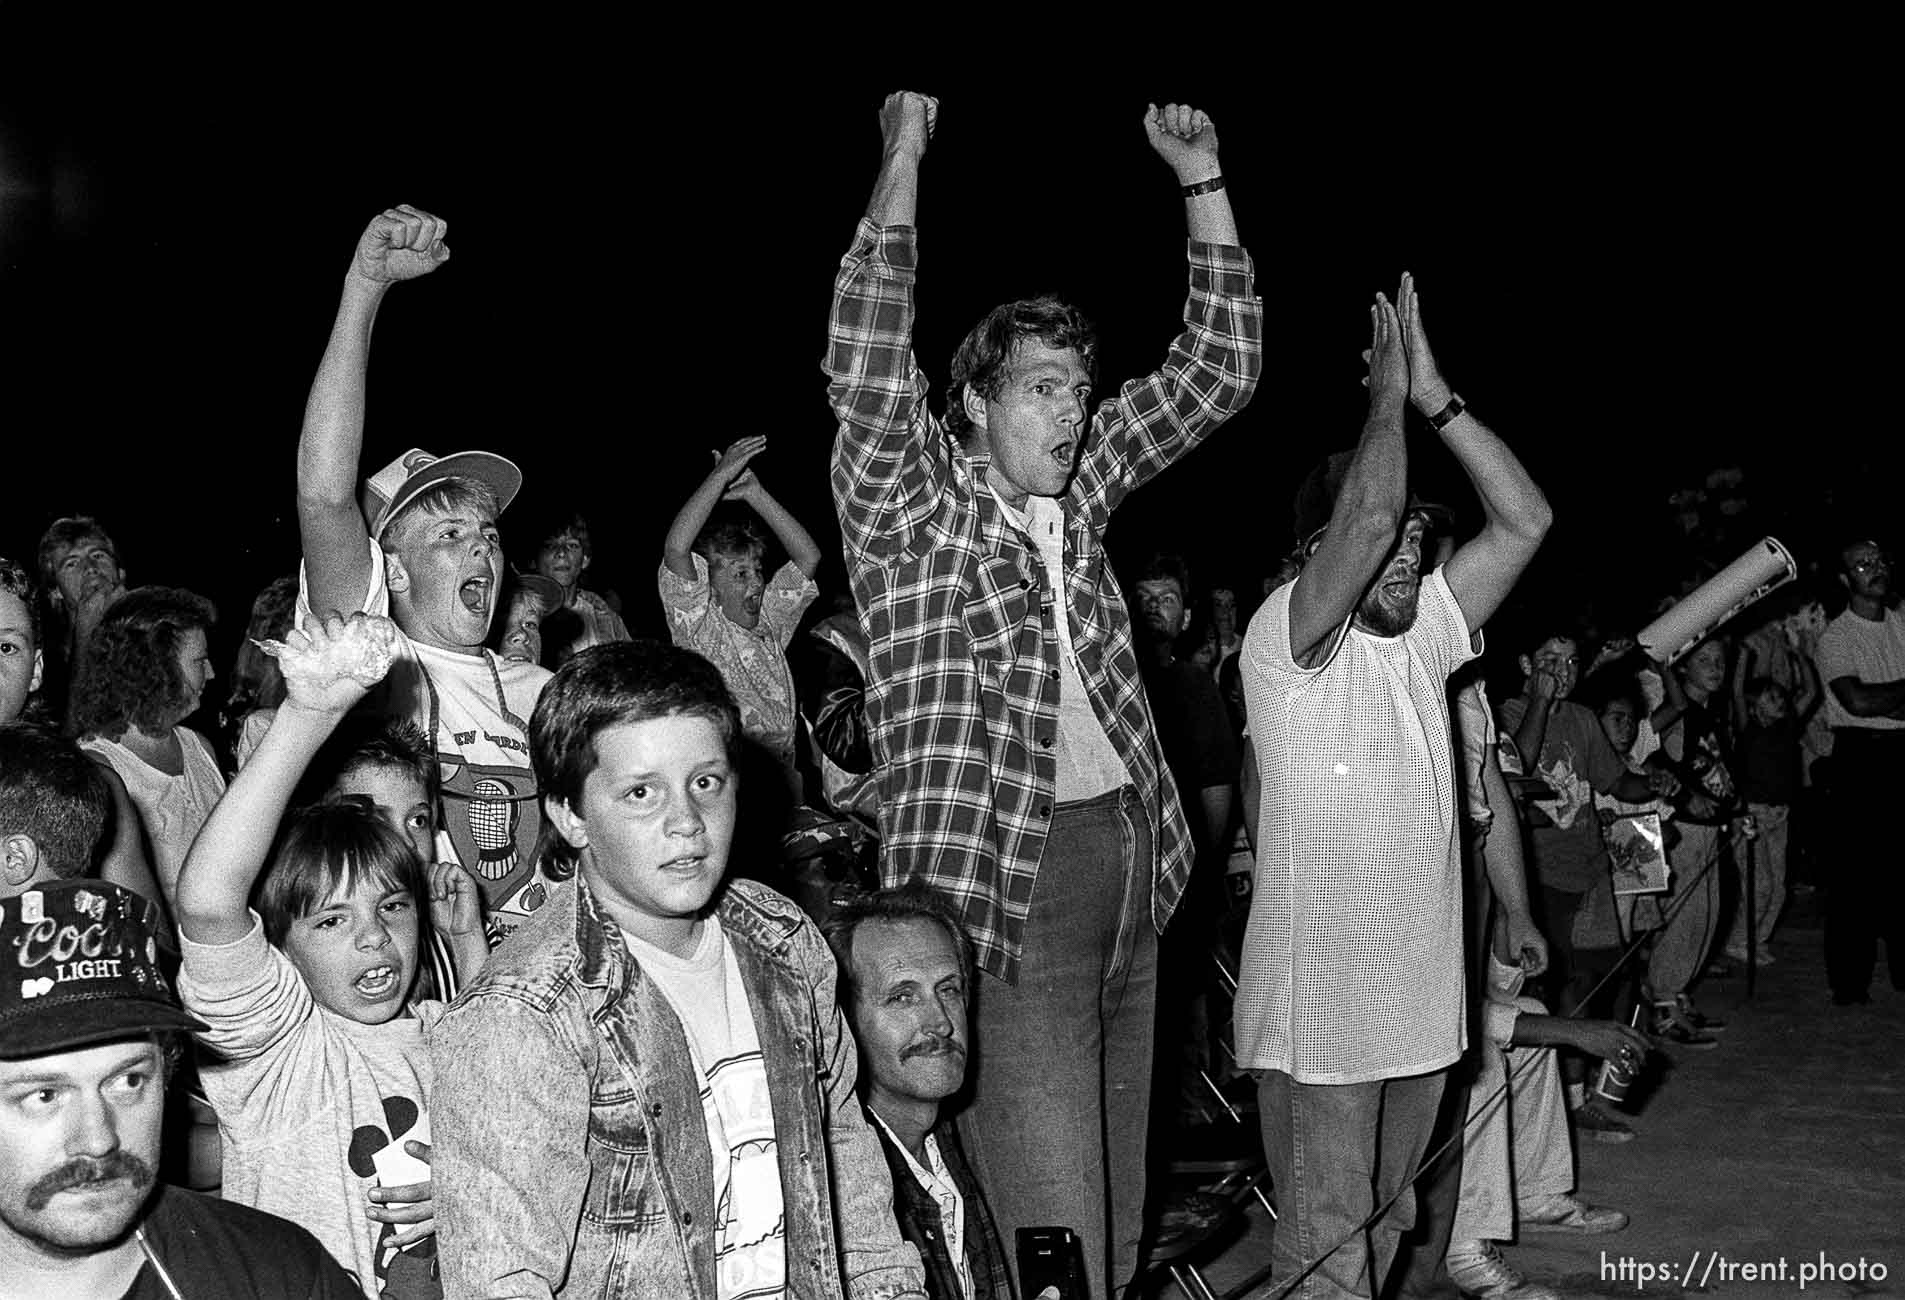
[
  {"x": 171, "y": 808},
  {"x": 1870, "y": 651},
  {"x": 306, "y": 1099},
  {"x": 708, "y": 997},
  {"x": 1352, "y": 962},
  {"x": 480, "y": 707}
]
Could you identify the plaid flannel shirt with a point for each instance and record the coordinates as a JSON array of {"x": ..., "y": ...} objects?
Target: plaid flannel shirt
[{"x": 962, "y": 700}]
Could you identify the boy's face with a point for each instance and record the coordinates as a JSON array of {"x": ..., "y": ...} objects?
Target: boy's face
[
  {"x": 737, "y": 584},
  {"x": 399, "y": 800},
  {"x": 1163, "y": 606},
  {"x": 79, "y": 1145},
  {"x": 654, "y": 822},
  {"x": 1621, "y": 725},
  {"x": 522, "y": 629},
  {"x": 562, "y": 559},
  {"x": 443, "y": 578},
  {"x": 357, "y": 951},
  {"x": 1560, "y": 658},
  {"x": 20, "y": 663},
  {"x": 1705, "y": 668}
]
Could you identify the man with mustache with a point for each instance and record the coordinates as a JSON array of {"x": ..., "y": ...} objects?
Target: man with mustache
[
  {"x": 1350, "y": 1000},
  {"x": 89, "y": 1031},
  {"x": 906, "y": 969},
  {"x": 1019, "y": 772}
]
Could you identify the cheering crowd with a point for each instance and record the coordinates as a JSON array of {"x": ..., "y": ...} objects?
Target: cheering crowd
[{"x": 488, "y": 951}]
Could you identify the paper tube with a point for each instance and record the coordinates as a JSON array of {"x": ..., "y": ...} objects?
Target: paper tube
[{"x": 1766, "y": 566}]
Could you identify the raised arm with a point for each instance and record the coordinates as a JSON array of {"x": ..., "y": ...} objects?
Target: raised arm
[
  {"x": 401, "y": 243},
  {"x": 326, "y": 671},
  {"x": 1186, "y": 139},
  {"x": 1515, "y": 515},
  {"x": 788, "y": 531},
  {"x": 889, "y": 471},
  {"x": 677, "y": 549},
  {"x": 124, "y": 862},
  {"x": 1368, "y": 513}
]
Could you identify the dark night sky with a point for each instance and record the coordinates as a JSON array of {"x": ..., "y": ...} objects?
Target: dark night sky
[{"x": 1627, "y": 272}]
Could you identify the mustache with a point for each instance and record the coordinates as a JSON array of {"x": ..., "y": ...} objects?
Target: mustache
[
  {"x": 933, "y": 1047},
  {"x": 120, "y": 1165}
]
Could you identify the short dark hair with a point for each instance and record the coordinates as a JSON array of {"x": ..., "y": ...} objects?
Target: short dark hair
[
  {"x": 988, "y": 351},
  {"x": 1759, "y": 685},
  {"x": 912, "y": 901},
  {"x": 327, "y": 848},
  {"x": 14, "y": 578},
  {"x": 128, "y": 673},
  {"x": 256, "y": 682},
  {"x": 50, "y": 790},
  {"x": 1162, "y": 565},
  {"x": 606, "y": 686},
  {"x": 65, "y": 532},
  {"x": 573, "y": 525}
]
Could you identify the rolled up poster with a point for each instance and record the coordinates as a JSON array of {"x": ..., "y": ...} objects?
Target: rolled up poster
[{"x": 1766, "y": 566}]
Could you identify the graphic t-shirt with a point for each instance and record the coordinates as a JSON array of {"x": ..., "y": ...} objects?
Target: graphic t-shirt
[
  {"x": 1575, "y": 761},
  {"x": 708, "y": 997},
  {"x": 475, "y": 710},
  {"x": 306, "y": 1101}
]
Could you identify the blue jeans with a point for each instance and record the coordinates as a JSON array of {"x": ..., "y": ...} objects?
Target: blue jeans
[
  {"x": 1336, "y": 1152},
  {"x": 1062, "y": 1094}
]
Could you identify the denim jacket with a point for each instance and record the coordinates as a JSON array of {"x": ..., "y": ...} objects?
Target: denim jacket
[{"x": 571, "y": 1153}]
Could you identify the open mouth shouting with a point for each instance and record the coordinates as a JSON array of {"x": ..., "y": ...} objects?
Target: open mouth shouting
[
  {"x": 475, "y": 593},
  {"x": 377, "y": 984},
  {"x": 1063, "y": 453}
]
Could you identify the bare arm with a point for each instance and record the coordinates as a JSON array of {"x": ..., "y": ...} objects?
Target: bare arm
[
  {"x": 1806, "y": 697},
  {"x": 1369, "y": 506},
  {"x": 788, "y": 531},
  {"x": 1216, "y": 802},
  {"x": 1864, "y": 699},
  {"x": 231, "y": 849},
  {"x": 1186, "y": 139},
  {"x": 1515, "y": 515},
  {"x": 399, "y": 244},
  {"x": 1249, "y": 791},
  {"x": 1531, "y": 733},
  {"x": 125, "y": 862},
  {"x": 677, "y": 550},
  {"x": 1507, "y": 873},
  {"x": 907, "y": 120}
]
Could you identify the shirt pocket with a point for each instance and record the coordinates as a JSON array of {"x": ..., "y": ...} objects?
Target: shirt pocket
[
  {"x": 1001, "y": 598},
  {"x": 623, "y": 1191}
]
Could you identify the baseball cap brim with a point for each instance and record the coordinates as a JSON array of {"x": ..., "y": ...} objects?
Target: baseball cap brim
[
  {"x": 548, "y": 588},
  {"x": 62, "y": 1026},
  {"x": 499, "y": 473}
]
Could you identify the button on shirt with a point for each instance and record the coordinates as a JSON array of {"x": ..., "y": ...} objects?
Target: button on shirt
[
  {"x": 939, "y": 1185},
  {"x": 1352, "y": 962},
  {"x": 964, "y": 695}
]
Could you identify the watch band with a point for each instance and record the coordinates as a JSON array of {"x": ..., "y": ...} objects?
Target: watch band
[
  {"x": 1210, "y": 186},
  {"x": 1446, "y": 416}
]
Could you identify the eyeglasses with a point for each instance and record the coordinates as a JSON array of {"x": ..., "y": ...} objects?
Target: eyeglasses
[{"x": 1866, "y": 566}]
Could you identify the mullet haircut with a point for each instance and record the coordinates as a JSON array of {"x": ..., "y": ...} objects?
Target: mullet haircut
[
  {"x": 51, "y": 792},
  {"x": 912, "y": 901},
  {"x": 607, "y": 686},
  {"x": 331, "y": 849},
  {"x": 985, "y": 358},
  {"x": 454, "y": 495}
]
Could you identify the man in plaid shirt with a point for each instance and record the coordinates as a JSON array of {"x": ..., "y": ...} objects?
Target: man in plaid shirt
[{"x": 1008, "y": 721}]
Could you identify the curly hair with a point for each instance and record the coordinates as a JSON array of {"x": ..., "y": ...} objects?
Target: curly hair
[
  {"x": 983, "y": 359},
  {"x": 128, "y": 674},
  {"x": 15, "y": 579}
]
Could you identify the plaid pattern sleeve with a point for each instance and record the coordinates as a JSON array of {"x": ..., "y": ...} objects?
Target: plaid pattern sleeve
[{"x": 962, "y": 700}]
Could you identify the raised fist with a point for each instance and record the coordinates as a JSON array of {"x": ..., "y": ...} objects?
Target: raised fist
[
  {"x": 1185, "y": 138},
  {"x": 907, "y": 119},
  {"x": 401, "y": 243},
  {"x": 328, "y": 669}
]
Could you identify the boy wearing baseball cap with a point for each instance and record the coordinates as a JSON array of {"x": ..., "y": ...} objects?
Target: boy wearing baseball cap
[
  {"x": 89, "y": 1030},
  {"x": 420, "y": 545}
]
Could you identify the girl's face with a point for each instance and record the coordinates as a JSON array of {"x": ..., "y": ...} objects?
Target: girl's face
[
  {"x": 1621, "y": 724},
  {"x": 357, "y": 951},
  {"x": 1705, "y": 668}
]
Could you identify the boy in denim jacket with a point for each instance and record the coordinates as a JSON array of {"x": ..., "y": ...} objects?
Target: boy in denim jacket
[{"x": 650, "y": 1089}]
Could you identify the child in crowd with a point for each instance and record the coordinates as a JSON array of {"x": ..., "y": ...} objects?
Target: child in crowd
[
  {"x": 304, "y": 979},
  {"x": 719, "y": 605},
  {"x": 649, "y": 1091},
  {"x": 519, "y": 637},
  {"x": 1770, "y": 722},
  {"x": 562, "y": 557},
  {"x": 52, "y": 808}
]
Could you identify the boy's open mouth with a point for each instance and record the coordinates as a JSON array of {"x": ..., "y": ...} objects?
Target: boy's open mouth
[
  {"x": 377, "y": 982},
  {"x": 475, "y": 594}
]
